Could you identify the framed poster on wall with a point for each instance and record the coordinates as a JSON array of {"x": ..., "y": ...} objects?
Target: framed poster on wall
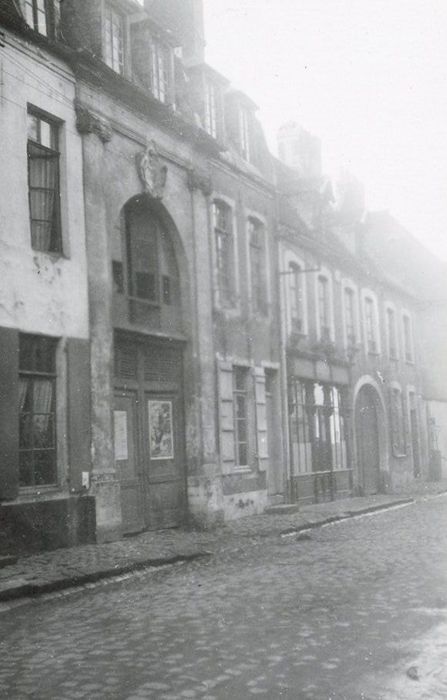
[{"x": 161, "y": 437}]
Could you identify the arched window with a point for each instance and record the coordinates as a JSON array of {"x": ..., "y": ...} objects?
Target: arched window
[{"x": 153, "y": 285}]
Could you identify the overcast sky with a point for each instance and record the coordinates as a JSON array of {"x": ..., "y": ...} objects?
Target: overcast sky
[{"x": 369, "y": 77}]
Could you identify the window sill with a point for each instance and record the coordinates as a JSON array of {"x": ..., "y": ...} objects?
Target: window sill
[
  {"x": 54, "y": 257},
  {"x": 242, "y": 470},
  {"x": 33, "y": 493}
]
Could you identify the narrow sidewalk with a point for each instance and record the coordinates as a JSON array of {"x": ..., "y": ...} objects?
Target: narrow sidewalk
[{"x": 64, "y": 568}]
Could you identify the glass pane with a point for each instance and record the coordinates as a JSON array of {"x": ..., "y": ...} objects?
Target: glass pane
[
  {"x": 33, "y": 122},
  {"x": 43, "y": 396},
  {"x": 145, "y": 286},
  {"x": 25, "y": 395},
  {"x": 45, "y": 134},
  {"x": 45, "y": 467},
  {"x": 43, "y": 431},
  {"x": 25, "y": 469},
  {"x": 25, "y": 431},
  {"x": 243, "y": 460},
  {"x": 240, "y": 406}
]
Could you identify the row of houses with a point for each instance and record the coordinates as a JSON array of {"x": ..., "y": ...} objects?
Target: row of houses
[{"x": 191, "y": 329}]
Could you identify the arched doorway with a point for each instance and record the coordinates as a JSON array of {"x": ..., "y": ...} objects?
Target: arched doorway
[
  {"x": 148, "y": 371},
  {"x": 367, "y": 438}
]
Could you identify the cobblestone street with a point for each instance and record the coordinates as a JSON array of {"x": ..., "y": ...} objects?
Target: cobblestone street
[{"x": 350, "y": 611}]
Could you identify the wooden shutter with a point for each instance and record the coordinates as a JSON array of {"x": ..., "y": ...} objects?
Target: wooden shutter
[
  {"x": 78, "y": 413},
  {"x": 9, "y": 414},
  {"x": 261, "y": 418},
  {"x": 226, "y": 417}
]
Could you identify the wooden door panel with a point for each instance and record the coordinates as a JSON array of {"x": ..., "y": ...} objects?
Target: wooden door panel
[
  {"x": 368, "y": 443},
  {"x": 164, "y": 460},
  {"x": 127, "y": 461}
]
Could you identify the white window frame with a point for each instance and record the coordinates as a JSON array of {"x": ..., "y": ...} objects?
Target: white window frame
[
  {"x": 291, "y": 258},
  {"x": 389, "y": 306},
  {"x": 405, "y": 314},
  {"x": 347, "y": 284},
  {"x": 211, "y": 108},
  {"x": 112, "y": 8},
  {"x": 369, "y": 294},
  {"x": 235, "y": 309},
  {"x": 326, "y": 273}
]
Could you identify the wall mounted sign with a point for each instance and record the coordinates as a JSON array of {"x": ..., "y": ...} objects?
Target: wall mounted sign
[
  {"x": 120, "y": 431},
  {"x": 161, "y": 438}
]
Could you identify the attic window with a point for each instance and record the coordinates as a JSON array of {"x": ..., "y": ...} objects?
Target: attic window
[
  {"x": 114, "y": 36},
  {"x": 39, "y": 16},
  {"x": 210, "y": 108},
  {"x": 160, "y": 71}
]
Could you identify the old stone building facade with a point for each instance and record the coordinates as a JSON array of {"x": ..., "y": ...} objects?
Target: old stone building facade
[
  {"x": 198, "y": 331},
  {"x": 44, "y": 330}
]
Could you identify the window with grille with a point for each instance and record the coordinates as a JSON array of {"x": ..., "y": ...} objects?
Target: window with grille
[
  {"x": 211, "y": 101},
  {"x": 114, "y": 39},
  {"x": 223, "y": 233},
  {"x": 240, "y": 399},
  {"x": 39, "y": 15},
  {"x": 370, "y": 325},
  {"x": 37, "y": 410},
  {"x": 295, "y": 284},
  {"x": 350, "y": 317},
  {"x": 391, "y": 333},
  {"x": 256, "y": 235},
  {"x": 397, "y": 423},
  {"x": 324, "y": 308},
  {"x": 43, "y": 182},
  {"x": 160, "y": 71},
  {"x": 408, "y": 339},
  {"x": 317, "y": 427}
]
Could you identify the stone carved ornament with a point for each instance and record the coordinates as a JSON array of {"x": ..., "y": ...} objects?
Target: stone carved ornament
[{"x": 151, "y": 172}]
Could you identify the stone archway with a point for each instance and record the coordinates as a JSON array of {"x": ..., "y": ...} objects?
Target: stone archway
[{"x": 370, "y": 438}]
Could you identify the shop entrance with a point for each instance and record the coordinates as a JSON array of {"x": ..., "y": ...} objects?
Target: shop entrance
[{"x": 149, "y": 433}]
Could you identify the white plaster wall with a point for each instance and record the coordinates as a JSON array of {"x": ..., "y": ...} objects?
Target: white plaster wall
[{"x": 39, "y": 292}]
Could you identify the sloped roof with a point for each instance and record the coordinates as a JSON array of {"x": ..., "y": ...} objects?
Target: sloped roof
[{"x": 404, "y": 259}]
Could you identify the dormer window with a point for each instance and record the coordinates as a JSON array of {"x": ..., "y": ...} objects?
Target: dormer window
[
  {"x": 210, "y": 112},
  {"x": 114, "y": 39},
  {"x": 160, "y": 71},
  {"x": 40, "y": 16}
]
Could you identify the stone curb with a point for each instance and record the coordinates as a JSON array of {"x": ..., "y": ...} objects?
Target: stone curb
[
  {"x": 346, "y": 516},
  {"x": 36, "y": 589}
]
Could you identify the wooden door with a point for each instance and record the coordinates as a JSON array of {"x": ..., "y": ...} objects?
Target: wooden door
[
  {"x": 128, "y": 465},
  {"x": 368, "y": 441},
  {"x": 163, "y": 460},
  {"x": 149, "y": 433}
]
